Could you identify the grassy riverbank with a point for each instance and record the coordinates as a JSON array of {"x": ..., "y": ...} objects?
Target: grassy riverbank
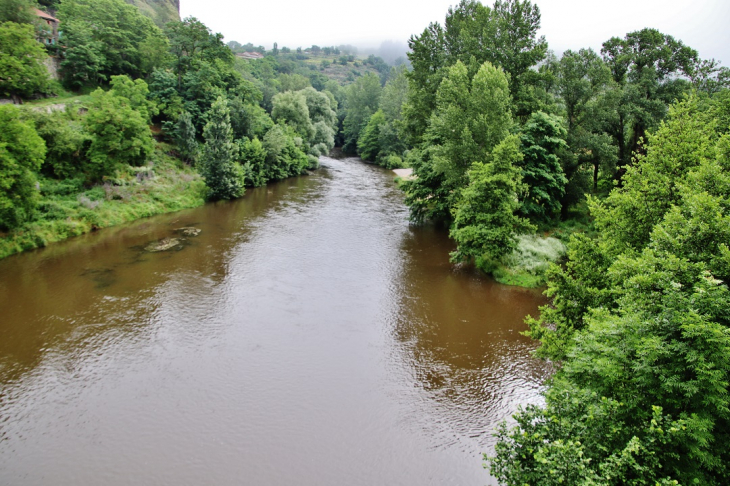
[{"x": 67, "y": 208}]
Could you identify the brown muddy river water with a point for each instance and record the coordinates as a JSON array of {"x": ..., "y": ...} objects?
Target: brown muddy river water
[{"x": 308, "y": 335}]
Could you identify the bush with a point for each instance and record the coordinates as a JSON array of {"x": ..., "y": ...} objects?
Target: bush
[
  {"x": 66, "y": 143},
  {"x": 120, "y": 134},
  {"x": 21, "y": 154}
]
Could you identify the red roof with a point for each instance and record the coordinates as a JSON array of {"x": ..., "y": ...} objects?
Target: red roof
[{"x": 43, "y": 15}]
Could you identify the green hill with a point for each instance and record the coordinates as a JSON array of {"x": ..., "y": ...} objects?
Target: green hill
[{"x": 160, "y": 11}]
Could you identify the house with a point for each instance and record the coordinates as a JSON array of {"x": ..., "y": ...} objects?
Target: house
[{"x": 49, "y": 35}]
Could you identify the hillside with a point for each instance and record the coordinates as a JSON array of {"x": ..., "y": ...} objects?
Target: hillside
[{"x": 161, "y": 11}]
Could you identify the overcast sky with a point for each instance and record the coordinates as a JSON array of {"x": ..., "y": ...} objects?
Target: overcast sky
[{"x": 566, "y": 24}]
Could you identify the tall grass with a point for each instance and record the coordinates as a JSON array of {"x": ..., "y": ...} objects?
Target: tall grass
[{"x": 526, "y": 266}]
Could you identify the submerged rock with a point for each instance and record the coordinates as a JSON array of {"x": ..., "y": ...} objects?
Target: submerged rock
[
  {"x": 189, "y": 231},
  {"x": 163, "y": 245}
]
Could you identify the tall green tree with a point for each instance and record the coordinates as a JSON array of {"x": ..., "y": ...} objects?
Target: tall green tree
[
  {"x": 471, "y": 117},
  {"x": 649, "y": 68},
  {"x": 21, "y": 154},
  {"x": 543, "y": 138},
  {"x": 103, "y": 38},
  {"x": 119, "y": 134},
  {"x": 363, "y": 97},
  {"x": 485, "y": 224},
  {"x": 22, "y": 72},
  {"x": 218, "y": 161},
  {"x": 185, "y": 138},
  {"x": 505, "y": 36},
  {"x": 18, "y": 11}
]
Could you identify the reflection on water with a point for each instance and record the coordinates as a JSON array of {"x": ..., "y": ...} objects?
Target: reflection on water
[{"x": 307, "y": 335}]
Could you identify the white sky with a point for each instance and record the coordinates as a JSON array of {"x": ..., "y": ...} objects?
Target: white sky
[{"x": 566, "y": 24}]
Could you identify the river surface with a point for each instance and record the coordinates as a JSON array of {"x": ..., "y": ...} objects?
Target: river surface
[{"x": 309, "y": 335}]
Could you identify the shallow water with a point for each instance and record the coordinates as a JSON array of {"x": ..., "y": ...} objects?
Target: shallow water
[{"x": 307, "y": 336}]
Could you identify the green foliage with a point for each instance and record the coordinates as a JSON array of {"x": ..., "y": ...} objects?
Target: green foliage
[
  {"x": 291, "y": 108},
  {"x": 284, "y": 154},
  {"x": 66, "y": 209},
  {"x": 17, "y": 11},
  {"x": 471, "y": 117},
  {"x": 253, "y": 160},
  {"x": 647, "y": 68},
  {"x": 66, "y": 142},
  {"x": 639, "y": 319},
  {"x": 505, "y": 36},
  {"x": 22, "y": 72},
  {"x": 21, "y": 155},
  {"x": 102, "y": 38},
  {"x": 119, "y": 134},
  {"x": 137, "y": 92},
  {"x": 248, "y": 120},
  {"x": 192, "y": 43},
  {"x": 218, "y": 161},
  {"x": 368, "y": 145},
  {"x": 363, "y": 97},
  {"x": 184, "y": 136},
  {"x": 485, "y": 225},
  {"x": 543, "y": 137}
]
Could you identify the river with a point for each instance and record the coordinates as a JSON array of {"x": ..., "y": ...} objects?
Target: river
[{"x": 308, "y": 335}]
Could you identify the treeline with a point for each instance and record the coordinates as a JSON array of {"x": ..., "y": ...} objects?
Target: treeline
[{"x": 505, "y": 138}]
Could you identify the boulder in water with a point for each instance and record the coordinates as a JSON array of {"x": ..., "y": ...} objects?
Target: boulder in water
[
  {"x": 189, "y": 231},
  {"x": 163, "y": 245}
]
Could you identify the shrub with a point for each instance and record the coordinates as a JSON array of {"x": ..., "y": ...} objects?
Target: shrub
[{"x": 21, "y": 154}]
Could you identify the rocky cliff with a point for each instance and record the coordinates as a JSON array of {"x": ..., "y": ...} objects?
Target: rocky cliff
[{"x": 161, "y": 11}]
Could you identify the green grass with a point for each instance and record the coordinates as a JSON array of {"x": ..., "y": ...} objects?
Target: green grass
[
  {"x": 68, "y": 209},
  {"x": 62, "y": 97}
]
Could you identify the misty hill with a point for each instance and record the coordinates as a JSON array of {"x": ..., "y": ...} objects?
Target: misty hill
[{"x": 160, "y": 11}]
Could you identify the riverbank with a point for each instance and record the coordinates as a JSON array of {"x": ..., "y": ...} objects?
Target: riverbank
[{"x": 67, "y": 209}]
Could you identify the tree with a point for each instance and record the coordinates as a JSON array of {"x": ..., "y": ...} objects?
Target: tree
[
  {"x": 471, "y": 117},
  {"x": 485, "y": 225},
  {"x": 505, "y": 36},
  {"x": 218, "y": 161},
  {"x": 66, "y": 142},
  {"x": 543, "y": 137},
  {"x": 119, "y": 134},
  {"x": 368, "y": 145},
  {"x": 22, "y": 72},
  {"x": 17, "y": 11},
  {"x": 21, "y": 155},
  {"x": 103, "y": 38},
  {"x": 253, "y": 160},
  {"x": 363, "y": 97},
  {"x": 184, "y": 136},
  {"x": 284, "y": 154},
  {"x": 137, "y": 92},
  {"x": 640, "y": 323},
  {"x": 625, "y": 222},
  {"x": 192, "y": 42},
  {"x": 291, "y": 108},
  {"x": 648, "y": 68}
]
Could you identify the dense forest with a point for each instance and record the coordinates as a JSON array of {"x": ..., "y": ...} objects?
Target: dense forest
[{"x": 612, "y": 165}]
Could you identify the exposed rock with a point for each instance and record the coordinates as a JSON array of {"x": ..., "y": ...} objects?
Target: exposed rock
[
  {"x": 189, "y": 231},
  {"x": 160, "y": 11},
  {"x": 163, "y": 245}
]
